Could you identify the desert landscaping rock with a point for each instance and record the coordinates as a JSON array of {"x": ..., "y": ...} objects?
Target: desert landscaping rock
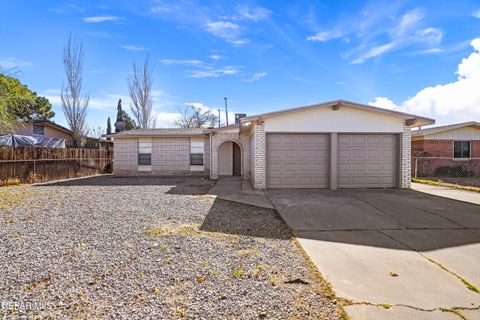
[{"x": 150, "y": 248}]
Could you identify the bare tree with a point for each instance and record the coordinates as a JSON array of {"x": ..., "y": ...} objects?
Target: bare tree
[
  {"x": 95, "y": 131},
  {"x": 192, "y": 116},
  {"x": 140, "y": 89},
  {"x": 74, "y": 105}
]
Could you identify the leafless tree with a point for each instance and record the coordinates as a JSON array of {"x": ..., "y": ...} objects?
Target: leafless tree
[
  {"x": 95, "y": 131},
  {"x": 140, "y": 89},
  {"x": 74, "y": 105},
  {"x": 192, "y": 116}
]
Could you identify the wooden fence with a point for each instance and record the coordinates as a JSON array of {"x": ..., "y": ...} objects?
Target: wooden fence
[{"x": 32, "y": 164}]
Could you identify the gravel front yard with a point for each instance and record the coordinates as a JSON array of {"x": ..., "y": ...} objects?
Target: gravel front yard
[{"x": 150, "y": 248}]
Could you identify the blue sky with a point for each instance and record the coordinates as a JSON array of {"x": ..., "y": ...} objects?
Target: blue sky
[{"x": 415, "y": 56}]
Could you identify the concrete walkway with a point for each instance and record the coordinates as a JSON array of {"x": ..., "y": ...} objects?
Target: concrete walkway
[
  {"x": 457, "y": 194},
  {"x": 238, "y": 190},
  {"x": 390, "y": 254}
]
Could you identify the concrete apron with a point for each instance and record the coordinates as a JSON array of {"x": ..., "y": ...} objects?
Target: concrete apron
[
  {"x": 391, "y": 254},
  {"x": 237, "y": 190}
]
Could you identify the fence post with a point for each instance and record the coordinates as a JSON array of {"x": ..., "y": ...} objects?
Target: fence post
[{"x": 416, "y": 167}]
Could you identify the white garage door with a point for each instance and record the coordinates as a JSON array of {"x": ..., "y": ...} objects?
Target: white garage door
[
  {"x": 297, "y": 160},
  {"x": 367, "y": 161}
]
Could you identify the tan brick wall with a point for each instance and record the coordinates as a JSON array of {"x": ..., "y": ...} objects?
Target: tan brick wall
[
  {"x": 259, "y": 157},
  {"x": 406, "y": 158},
  {"x": 220, "y": 137},
  {"x": 170, "y": 156}
]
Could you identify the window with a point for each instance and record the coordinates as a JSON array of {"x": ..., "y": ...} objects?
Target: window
[
  {"x": 461, "y": 149},
  {"x": 144, "y": 155},
  {"x": 196, "y": 154},
  {"x": 38, "y": 130}
]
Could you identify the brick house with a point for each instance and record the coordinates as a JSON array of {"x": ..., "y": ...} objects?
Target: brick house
[
  {"x": 447, "y": 153},
  {"x": 337, "y": 144},
  {"x": 456, "y": 141}
]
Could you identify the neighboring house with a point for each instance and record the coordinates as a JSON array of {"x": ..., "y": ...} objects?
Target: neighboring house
[
  {"x": 456, "y": 141},
  {"x": 45, "y": 129},
  {"x": 337, "y": 144}
]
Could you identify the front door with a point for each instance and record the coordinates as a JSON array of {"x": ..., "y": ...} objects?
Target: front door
[{"x": 237, "y": 160}]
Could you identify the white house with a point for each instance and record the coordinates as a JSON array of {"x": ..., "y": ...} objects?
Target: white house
[{"x": 337, "y": 144}]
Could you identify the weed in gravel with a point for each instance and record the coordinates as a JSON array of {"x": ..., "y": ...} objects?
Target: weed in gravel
[
  {"x": 173, "y": 229},
  {"x": 248, "y": 252},
  {"x": 238, "y": 273}
]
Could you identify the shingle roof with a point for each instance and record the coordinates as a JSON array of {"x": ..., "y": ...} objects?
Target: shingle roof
[
  {"x": 170, "y": 132},
  {"x": 422, "y": 132}
]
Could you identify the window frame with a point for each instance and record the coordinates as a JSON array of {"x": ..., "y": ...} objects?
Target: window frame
[
  {"x": 38, "y": 126},
  {"x": 144, "y": 145},
  {"x": 462, "y": 150}
]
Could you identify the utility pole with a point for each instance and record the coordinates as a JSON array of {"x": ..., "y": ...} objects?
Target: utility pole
[
  {"x": 219, "y": 125},
  {"x": 226, "y": 109}
]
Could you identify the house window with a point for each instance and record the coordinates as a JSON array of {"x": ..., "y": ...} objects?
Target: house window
[
  {"x": 196, "y": 154},
  {"x": 144, "y": 155},
  {"x": 461, "y": 149},
  {"x": 38, "y": 130}
]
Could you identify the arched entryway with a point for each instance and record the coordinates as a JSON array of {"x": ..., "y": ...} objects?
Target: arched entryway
[{"x": 229, "y": 159}]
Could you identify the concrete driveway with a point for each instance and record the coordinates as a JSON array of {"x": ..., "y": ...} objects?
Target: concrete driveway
[{"x": 390, "y": 254}]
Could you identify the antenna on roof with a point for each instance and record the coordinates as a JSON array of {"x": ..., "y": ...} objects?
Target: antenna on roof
[
  {"x": 226, "y": 109},
  {"x": 219, "y": 125}
]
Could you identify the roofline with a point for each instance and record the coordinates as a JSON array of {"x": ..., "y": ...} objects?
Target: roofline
[
  {"x": 230, "y": 126},
  {"x": 432, "y": 130},
  {"x": 416, "y": 119},
  {"x": 125, "y": 136},
  {"x": 51, "y": 123}
]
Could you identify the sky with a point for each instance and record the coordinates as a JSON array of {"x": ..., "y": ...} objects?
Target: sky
[{"x": 421, "y": 57}]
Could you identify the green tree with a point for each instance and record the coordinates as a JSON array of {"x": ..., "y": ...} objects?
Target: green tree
[
  {"x": 22, "y": 103},
  {"x": 123, "y": 116},
  {"x": 109, "y": 126}
]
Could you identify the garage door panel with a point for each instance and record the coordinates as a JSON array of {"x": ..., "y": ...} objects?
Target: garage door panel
[
  {"x": 367, "y": 161},
  {"x": 297, "y": 160}
]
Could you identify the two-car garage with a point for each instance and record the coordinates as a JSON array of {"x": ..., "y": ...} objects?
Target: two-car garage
[{"x": 296, "y": 160}]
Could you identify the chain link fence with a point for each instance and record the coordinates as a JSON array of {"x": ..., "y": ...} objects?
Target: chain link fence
[{"x": 465, "y": 172}]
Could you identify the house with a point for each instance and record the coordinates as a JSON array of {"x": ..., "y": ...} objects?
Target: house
[
  {"x": 45, "y": 129},
  {"x": 337, "y": 144},
  {"x": 456, "y": 141}
]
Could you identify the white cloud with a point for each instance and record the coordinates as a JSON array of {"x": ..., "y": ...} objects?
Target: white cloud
[
  {"x": 228, "y": 31},
  {"x": 132, "y": 47},
  {"x": 223, "y": 29},
  {"x": 451, "y": 102},
  {"x": 323, "y": 36},
  {"x": 216, "y": 57},
  {"x": 255, "y": 14},
  {"x": 239, "y": 42},
  {"x": 375, "y": 51},
  {"x": 192, "y": 62},
  {"x": 256, "y": 76},
  {"x": 476, "y": 14},
  {"x": 97, "y": 19},
  {"x": 383, "y": 102},
  {"x": 166, "y": 119},
  {"x": 9, "y": 63},
  {"x": 405, "y": 34},
  {"x": 214, "y": 73}
]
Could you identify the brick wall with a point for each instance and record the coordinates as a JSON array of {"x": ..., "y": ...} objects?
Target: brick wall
[
  {"x": 170, "y": 156},
  {"x": 406, "y": 157},
  {"x": 220, "y": 137},
  {"x": 475, "y": 148},
  {"x": 125, "y": 156},
  {"x": 259, "y": 158},
  {"x": 442, "y": 148}
]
